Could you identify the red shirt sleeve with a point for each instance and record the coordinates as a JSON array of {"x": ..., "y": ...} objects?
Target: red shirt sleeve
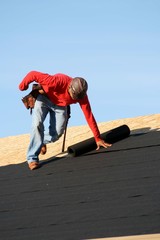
[
  {"x": 86, "y": 108},
  {"x": 32, "y": 76}
]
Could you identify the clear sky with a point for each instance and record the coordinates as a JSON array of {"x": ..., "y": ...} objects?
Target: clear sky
[{"x": 113, "y": 44}]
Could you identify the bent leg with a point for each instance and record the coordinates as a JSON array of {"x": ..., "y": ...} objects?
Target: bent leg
[{"x": 57, "y": 122}]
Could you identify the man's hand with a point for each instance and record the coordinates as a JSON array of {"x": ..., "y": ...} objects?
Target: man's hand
[{"x": 102, "y": 143}]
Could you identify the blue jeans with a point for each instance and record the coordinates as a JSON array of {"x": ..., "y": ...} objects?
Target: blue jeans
[{"x": 57, "y": 120}]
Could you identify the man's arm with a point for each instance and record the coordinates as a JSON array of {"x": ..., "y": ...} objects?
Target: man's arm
[
  {"x": 86, "y": 108},
  {"x": 31, "y": 77}
]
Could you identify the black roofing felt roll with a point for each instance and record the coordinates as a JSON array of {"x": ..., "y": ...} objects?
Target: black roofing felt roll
[
  {"x": 88, "y": 145},
  {"x": 116, "y": 134}
]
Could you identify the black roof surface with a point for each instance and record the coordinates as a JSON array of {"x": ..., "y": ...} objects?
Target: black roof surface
[{"x": 109, "y": 193}]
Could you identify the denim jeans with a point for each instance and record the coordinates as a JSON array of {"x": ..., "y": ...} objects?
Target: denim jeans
[{"x": 57, "y": 120}]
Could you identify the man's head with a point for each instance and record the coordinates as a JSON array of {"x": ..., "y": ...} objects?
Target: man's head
[{"x": 78, "y": 88}]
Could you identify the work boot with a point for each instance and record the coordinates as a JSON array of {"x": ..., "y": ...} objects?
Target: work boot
[
  {"x": 33, "y": 165},
  {"x": 43, "y": 149}
]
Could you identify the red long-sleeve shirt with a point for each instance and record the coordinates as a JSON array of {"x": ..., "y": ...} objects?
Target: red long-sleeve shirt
[{"x": 56, "y": 87}]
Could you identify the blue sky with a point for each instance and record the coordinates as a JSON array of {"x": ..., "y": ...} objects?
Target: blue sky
[{"x": 113, "y": 44}]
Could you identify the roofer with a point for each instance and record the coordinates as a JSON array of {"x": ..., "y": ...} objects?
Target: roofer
[{"x": 60, "y": 91}]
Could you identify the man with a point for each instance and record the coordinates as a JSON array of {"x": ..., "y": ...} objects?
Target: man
[{"x": 60, "y": 91}]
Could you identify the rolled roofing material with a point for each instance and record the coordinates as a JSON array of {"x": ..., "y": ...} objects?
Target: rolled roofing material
[{"x": 88, "y": 145}]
